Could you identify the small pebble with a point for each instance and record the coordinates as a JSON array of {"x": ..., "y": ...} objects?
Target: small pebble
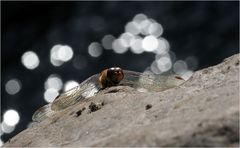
[{"x": 148, "y": 106}]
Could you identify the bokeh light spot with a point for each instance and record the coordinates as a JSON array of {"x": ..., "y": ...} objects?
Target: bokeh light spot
[
  {"x": 107, "y": 41},
  {"x": 145, "y": 26},
  {"x": 53, "y": 81},
  {"x": 136, "y": 46},
  {"x": 54, "y": 59},
  {"x": 133, "y": 28},
  {"x": 155, "y": 29},
  {"x": 139, "y": 18},
  {"x": 11, "y": 117},
  {"x": 126, "y": 39},
  {"x": 163, "y": 46},
  {"x": 7, "y": 128},
  {"x": 13, "y": 86},
  {"x": 56, "y": 62},
  {"x": 180, "y": 67},
  {"x": 150, "y": 43},
  {"x": 154, "y": 68},
  {"x": 30, "y": 60},
  {"x": 60, "y": 54},
  {"x": 119, "y": 46},
  {"x": 164, "y": 63},
  {"x": 65, "y": 53},
  {"x": 95, "y": 49},
  {"x": 50, "y": 94},
  {"x": 70, "y": 84}
]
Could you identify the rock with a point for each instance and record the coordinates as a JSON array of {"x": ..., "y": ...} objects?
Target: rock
[{"x": 204, "y": 111}]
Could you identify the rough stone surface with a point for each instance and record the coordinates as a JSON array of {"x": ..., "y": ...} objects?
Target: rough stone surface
[{"x": 204, "y": 111}]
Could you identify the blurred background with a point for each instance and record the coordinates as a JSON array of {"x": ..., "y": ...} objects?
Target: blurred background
[{"x": 50, "y": 47}]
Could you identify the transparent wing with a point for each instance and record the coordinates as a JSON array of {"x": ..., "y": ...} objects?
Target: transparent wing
[
  {"x": 151, "y": 82},
  {"x": 43, "y": 113},
  {"x": 86, "y": 89}
]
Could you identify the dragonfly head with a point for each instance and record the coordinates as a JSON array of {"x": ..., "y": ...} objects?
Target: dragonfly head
[{"x": 115, "y": 74}]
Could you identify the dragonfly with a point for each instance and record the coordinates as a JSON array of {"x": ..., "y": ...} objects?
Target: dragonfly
[{"x": 94, "y": 84}]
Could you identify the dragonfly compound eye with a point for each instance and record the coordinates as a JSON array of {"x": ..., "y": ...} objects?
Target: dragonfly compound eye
[
  {"x": 115, "y": 75},
  {"x": 110, "y": 77}
]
